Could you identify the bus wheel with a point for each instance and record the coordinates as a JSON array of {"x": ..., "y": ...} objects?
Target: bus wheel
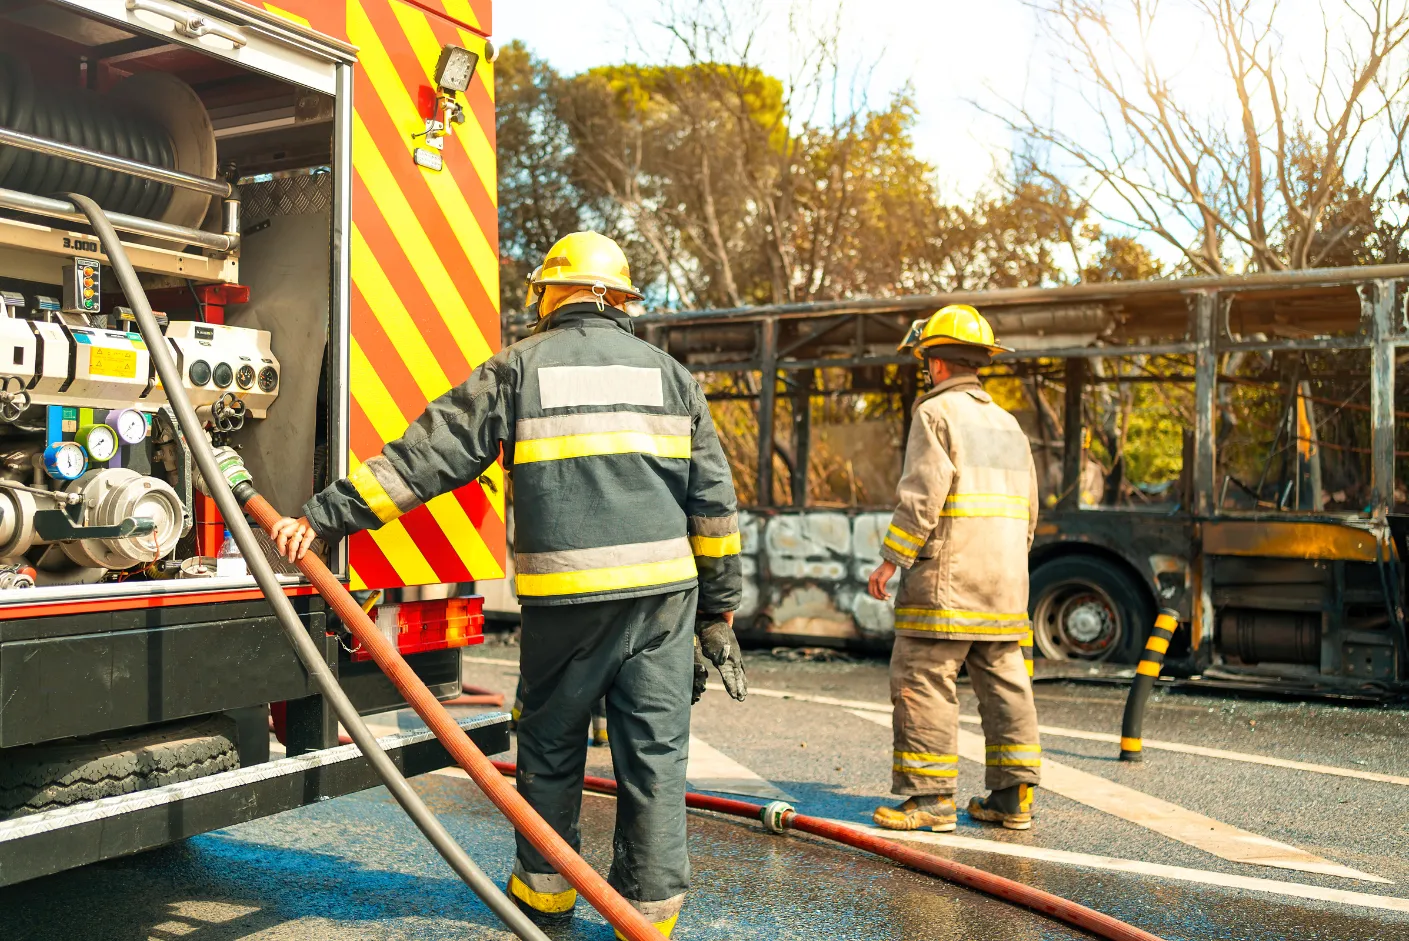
[{"x": 1085, "y": 607}]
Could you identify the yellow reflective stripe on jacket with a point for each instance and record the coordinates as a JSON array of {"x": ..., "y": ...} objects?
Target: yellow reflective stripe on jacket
[
  {"x": 1000, "y": 505},
  {"x": 966, "y": 622},
  {"x": 903, "y": 543},
  {"x": 716, "y": 547},
  {"x": 615, "y": 578},
  {"x": 609, "y": 442},
  {"x": 1013, "y": 756},
  {"x": 370, "y": 489},
  {"x": 895, "y": 532}
]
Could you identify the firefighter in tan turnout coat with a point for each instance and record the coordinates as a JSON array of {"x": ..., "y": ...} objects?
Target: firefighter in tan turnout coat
[{"x": 966, "y": 514}]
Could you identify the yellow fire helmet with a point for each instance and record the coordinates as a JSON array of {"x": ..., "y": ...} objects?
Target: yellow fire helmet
[
  {"x": 957, "y": 324},
  {"x": 588, "y": 259}
]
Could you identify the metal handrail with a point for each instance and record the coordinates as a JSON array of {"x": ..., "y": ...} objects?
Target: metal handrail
[
  {"x": 63, "y": 209},
  {"x": 147, "y": 171}
]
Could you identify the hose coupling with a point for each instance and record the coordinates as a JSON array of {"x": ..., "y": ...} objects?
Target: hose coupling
[
  {"x": 232, "y": 468},
  {"x": 775, "y": 816}
]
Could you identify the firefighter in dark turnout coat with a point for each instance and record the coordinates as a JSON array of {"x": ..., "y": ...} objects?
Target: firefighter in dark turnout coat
[{"x": 626, "y": 548}]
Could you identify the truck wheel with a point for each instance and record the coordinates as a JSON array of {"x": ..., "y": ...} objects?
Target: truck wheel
[
  {"x": 1085, "y": 607},
  {"x": 35, "y": 778}
]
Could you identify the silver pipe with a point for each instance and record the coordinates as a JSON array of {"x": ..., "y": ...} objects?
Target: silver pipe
[
  {"x": 147, "y": 171},
  {"x": 230, "y": 216},
  {"x": 63, "y": 209},
  {"x": 294, "y": 629},
  {"x": 339, "y": 357}
]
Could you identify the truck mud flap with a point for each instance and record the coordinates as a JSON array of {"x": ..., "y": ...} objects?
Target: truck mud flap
[{"x": 45, "y": 843}]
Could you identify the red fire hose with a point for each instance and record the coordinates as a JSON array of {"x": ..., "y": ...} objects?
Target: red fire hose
[
  {"x": 544, "y": 838},
  {"x": 1053, "y": 906}
]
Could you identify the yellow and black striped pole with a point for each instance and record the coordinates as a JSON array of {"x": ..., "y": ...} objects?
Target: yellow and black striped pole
[{"x": 1131, "y": 744}]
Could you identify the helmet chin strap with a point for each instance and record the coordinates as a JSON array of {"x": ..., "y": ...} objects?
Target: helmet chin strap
[{"x": 599, "y": 291}]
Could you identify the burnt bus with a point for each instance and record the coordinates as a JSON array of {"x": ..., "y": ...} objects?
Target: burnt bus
[{"x": 1228, "y": 447}]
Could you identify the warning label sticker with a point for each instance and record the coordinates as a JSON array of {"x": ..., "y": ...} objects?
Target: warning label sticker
[{"x": 120, "y": 364}]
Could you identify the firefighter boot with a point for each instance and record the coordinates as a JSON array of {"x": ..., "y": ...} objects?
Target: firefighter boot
[
  {"x": 546, "y": 898},
  {"x": 664, "y": 927},
  {"x": 935, "y": 811},
  {"x": 1010, "y": 806}
]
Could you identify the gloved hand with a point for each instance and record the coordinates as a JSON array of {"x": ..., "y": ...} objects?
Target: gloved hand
[
  {"x": 701, "y": 674},
  {"x": 721, "y": 648}
]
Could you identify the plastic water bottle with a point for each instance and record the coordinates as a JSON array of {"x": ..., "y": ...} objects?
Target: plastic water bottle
[{"x": 229, "y": 563}]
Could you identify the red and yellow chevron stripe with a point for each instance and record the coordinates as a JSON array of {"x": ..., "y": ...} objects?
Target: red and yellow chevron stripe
[{"x": 425, "y": 274}]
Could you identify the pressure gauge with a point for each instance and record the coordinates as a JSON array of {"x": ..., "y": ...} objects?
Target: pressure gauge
[
  {"x": 223, "y": 375},
  {"x": 199, "y": 373},
  {"x": 131, "y": 425},
  {"x": 244, "y": 376},
  {"x": 65, "y": 460},
  {"x": 100, "y": 441}
]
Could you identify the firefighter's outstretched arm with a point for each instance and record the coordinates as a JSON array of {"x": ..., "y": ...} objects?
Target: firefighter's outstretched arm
[
  {"x": 924, "y": 484},
  {"x": 453, "y": 441},
  {"x": 713, "y": 517}
]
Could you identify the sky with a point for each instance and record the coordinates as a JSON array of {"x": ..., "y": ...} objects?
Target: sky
[
  {"x": 951, "y": 52},
  {"x": 961, "y": 58}
]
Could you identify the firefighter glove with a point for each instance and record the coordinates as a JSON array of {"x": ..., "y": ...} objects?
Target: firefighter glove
[
  {"x": 701, "y": 674},
  {"x": 721, "y": 648}
]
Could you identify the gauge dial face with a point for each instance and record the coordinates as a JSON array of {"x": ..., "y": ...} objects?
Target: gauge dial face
[
  {"x": 268, "y": 379},
  {"x": 199, "y": 373},
  {"x": 100, "y": 441},
  {"x": 244, "y": 376},
  {"x": 223, "y": 375},
  {"x": 65, "y": 460},
  {"x": 131, "y": 426}
]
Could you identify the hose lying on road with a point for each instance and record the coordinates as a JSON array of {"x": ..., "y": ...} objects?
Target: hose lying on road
[
  {"x": 779, "y": 816},
  {"x": 308, "y": 652}
]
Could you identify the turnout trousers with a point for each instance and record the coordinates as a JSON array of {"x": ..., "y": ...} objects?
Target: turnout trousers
[
  {"x": 638, "y": 654},
  {"x": 926, "y": 719}
]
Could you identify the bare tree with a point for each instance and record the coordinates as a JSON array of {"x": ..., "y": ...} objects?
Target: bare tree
[{"x": 1261, "y": 184}]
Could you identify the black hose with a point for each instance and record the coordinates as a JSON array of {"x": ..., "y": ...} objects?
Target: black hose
[
  {"x": 1131, "y": 743},
  {"x": 83, "y": 119},
  {"x": 303, "y": 645}
]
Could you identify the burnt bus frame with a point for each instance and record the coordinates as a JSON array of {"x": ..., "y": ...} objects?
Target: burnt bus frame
[{"x": 784, "y": 341}]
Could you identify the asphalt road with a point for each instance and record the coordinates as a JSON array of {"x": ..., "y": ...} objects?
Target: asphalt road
[{"x": 354, "y": 868}]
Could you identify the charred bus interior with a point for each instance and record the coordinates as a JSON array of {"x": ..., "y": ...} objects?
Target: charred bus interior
[{"x": 1224, "y": 447}]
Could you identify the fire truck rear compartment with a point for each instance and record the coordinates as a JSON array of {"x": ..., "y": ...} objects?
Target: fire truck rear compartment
[{"x": 235, "y": 251}]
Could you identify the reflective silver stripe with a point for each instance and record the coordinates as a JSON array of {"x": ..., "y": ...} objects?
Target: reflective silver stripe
[
  {"x": 393, "y": 483},
  {"x": 923, "y": 763},
  {"x": 582, "y": 560},
  {"x": 566, "y": 386},
  {"x": 558, "y": 426},
  {"x": 714, "y": 525},
  {"x": 657, "y": 912},
  {"x": 549, "y": 883}
]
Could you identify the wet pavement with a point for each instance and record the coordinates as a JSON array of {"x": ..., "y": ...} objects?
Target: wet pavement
[{"x": 355, "y": 868}]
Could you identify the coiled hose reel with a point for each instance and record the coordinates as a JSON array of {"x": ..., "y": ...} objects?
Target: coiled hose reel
[{"x": 151, "y": 117}]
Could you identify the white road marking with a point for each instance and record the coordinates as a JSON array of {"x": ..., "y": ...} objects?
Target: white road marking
[
  {"x": 709, "y": 769},
  {"x": 1161, "y": 816},
  {"x": 1141, "y": 868},
  {"x": 1245, "y": 757}
]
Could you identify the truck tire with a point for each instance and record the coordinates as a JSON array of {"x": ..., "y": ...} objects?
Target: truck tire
[
  {"x": 1085, "y": 607},
  {"x": 41, "y": 777}
]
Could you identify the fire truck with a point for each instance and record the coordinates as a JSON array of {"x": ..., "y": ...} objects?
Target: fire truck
[{"x": 308, "y": 194}]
